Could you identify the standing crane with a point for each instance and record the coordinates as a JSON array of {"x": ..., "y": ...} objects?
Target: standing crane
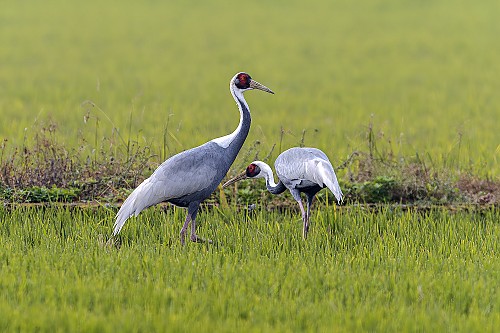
[
  {"x": 300, "y": 170},
  {"x": 188, "y": 178}
]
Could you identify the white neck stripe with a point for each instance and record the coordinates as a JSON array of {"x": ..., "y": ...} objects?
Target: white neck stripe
[{"x": 225, "y": 141}]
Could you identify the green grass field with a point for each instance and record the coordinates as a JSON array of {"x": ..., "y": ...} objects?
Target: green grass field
[
  {"x": 358, "y": 271},
  {"x": 418, "y": 77}
]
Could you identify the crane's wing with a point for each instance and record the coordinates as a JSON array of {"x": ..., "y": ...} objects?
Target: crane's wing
[
  {"x": 297, "y": 164},
  {"x": 186, "y": 173},
  {"x": 321, "y": 172}
]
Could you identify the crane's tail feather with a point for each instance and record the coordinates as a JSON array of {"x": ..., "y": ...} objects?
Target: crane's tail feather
[
  {"x": 136, "y": 202},
  {"x": 329, "y": 178},
  {"x": 335, "y": 188}
]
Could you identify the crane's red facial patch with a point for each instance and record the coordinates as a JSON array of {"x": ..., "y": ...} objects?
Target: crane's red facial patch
[
  {"x": 242, "y": 81},
  {"x": 252, "y": 170}
]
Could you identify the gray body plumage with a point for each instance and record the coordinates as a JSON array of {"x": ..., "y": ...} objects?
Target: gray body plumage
[
  {"x": 190, "y": 177},
  {"x": 306, "y": 170}
]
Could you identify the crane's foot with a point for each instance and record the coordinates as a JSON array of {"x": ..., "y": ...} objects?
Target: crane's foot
[{"x": 195, "y": 238}]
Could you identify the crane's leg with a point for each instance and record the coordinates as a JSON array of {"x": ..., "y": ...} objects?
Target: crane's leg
[
  {"x": 184, "y": 228},
  {"x": 310, "y": 199},
  {"x": 194, "y": 237},
  {"x": 304, "y": 220},
  {"x": 296, "y": 196},
  {"x": 192, "y": 210},
  {"x": 191, "y": 217}
]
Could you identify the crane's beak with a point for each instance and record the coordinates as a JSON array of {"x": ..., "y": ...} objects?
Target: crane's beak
[
  {"x": 257, "y": 85},
  {"x": 235, "y": 179}
]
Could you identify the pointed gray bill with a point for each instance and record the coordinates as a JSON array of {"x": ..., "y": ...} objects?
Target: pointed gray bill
[
  {"x": 257, "y": 85},
  {"x": 235, "y": 179}
]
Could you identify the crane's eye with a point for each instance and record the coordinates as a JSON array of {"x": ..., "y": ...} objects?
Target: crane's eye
[
  {"x": 252, "y": 170},
  {"x": 242, "y": 81}
]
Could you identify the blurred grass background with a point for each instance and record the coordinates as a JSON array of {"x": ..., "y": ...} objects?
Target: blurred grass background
[{"x": 425, "y": 73}]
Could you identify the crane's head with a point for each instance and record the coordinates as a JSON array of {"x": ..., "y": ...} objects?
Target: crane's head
[
  {"x": 242, "y": 82},
  {"x": 256, "y": 169}
]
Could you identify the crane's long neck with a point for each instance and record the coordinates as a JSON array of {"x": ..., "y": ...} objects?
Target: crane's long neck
[
  {"x": 275, "y": 188},
  {"x": 272, "y": 187},
  {"x": 234, "y": 141}
]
